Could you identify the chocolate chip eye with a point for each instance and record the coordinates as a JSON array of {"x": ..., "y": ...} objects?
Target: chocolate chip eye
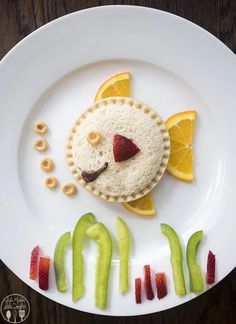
[{"x": 94, "y": 137}]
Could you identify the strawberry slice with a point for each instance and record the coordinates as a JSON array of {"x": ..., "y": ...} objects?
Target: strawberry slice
[
  {"x": 44, "y": 263},
  {"x": 123, "y": 148},
  {"x": 161, "y": 285},
  {"x": 34, "y": 263},
  {"x": 138, "y": 291},
  {"x": 211, "y": 264},
  {"x": 147, "y": 282}
]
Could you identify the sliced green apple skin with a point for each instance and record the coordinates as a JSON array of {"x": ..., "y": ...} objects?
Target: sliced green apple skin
[
  {"x": 195, "y": 274},
  {"x": 123, "y": 237},
  {"x": 79, "y": 233},
  {"x": 176, "y": 259},
  {"x": 100, "y": 234},
  {"x": 59, "y": 268}
]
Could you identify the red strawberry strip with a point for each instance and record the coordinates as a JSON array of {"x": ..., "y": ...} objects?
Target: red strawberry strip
[
  {"x": 211, "y": 264},
  {"x": 147, "y": 282},
  {"x": 34, "y": 263},
  {"x": 161, "y": 285},
  {"x": 44, "y": 263},
  {"x": 123, "y": 148},
  {"x": 138, "y": 290}
]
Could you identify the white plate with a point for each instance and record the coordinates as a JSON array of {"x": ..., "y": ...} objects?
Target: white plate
[{"x": 53, "y": 75}]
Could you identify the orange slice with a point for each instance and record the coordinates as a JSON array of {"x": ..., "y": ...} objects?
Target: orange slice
[
  {"x": 143, "y": 206},
  {"x": 117, "y": 85},
  {"x": 181, "y": 129}
]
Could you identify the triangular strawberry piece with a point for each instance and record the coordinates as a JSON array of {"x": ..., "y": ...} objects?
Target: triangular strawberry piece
[{"x": 123, "y": 148}]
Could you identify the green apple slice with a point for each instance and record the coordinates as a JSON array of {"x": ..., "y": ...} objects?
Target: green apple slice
[
  {"x": 176, "y": 259},
  {"x": 81, "y": 227},
  {"x": 123, "y": 245},
  {"x": 100, "y": 234},
  {"x": 59, "y": 254},
  {"x": 195, "y": 274}
]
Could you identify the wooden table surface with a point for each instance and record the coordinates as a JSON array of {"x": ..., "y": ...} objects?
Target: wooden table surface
[{"x": 18, "y": 18}]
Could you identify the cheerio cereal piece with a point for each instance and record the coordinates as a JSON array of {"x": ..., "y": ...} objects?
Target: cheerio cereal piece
[
  {"x": 94, "y": 137},
  {"x": 47, "y": 164},
  {"x": 69, "y": 189},
  {"x": 51, "y": 182},
  {"x": 40, "y": 127},
  {"x": 40, "y": 145}
]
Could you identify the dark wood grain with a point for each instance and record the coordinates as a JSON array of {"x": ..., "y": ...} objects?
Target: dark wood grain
[{"x": 18, "y": 18}]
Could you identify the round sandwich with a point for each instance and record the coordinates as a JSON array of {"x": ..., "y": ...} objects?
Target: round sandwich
[{"x": 118, "y": 149}]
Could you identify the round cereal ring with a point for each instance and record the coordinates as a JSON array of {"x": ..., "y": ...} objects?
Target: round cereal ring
[
  {"x": 94, "y": 137},
  {"x": 40, "y": 127},
  {"x": 51, "y": 182},
  {"x": 40, "y": 145},
  {"x": 69, "y": 189},
  {"x": 47, "y": 164}
]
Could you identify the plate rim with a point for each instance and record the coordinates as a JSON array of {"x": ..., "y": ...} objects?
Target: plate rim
[{"x": 107, "y": 7}]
